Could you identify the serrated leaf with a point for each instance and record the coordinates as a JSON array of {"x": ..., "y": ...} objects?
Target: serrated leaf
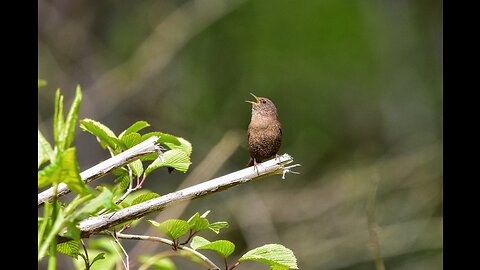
[
  {"x": 216, "y": 226},
  {"x": 272, "y": 254},
  {"x": 198, "y": 223},
  {"x": 69, "y": 248},
  {"x": 176, "y": 159},
  {"x": 103, "y": 133},
  {"x": 223, "y": 247},
  {"x": 58, "y": 117},
  {"x": 173, "y": 228},
  {"x": 184, "y": 145},
  {"x": 144, "y": 197},
  {"x": 137, "y": 167},
  {"x": 68, "y": 132},
  {"x": 45, "y": 151},
  {"x": 131, "y": 139},
  {"x": 137, "y": 126}
]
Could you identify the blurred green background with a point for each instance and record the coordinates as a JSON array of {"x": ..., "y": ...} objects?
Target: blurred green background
[{"x": 358, "y": 88}]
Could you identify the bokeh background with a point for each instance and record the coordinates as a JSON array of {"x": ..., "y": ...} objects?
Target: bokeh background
[{"x": 358, "y": 87}]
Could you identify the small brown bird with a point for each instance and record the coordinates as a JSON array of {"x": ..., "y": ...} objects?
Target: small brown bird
[{"x": 264, "y": 131}]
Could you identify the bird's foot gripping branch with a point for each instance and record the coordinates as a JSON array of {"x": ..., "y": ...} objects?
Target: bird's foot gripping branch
[{"x": 109, "y": 210}]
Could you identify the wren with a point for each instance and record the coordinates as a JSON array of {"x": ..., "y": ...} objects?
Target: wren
[{"x": 264, "y": 131}]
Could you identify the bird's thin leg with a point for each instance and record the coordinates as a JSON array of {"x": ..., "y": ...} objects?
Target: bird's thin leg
[
  {"x": 255, "y": 167},
  {"x": 277, "y": 158}
]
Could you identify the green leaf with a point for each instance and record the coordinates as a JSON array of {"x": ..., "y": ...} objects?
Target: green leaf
[
  {"x": 41, "y": 83},
  {"x": 122, "y": 182},
  {"x": 58, "y": 117},
  {"x": 216, "y": 226},
  {"x": 131, "y": 140},
  {"x": 70, "y": 172},
  {"x": 50, "y": 174},
  {"x": 149, "y": 157},
  {"x": 279, "y": 267},
  {"x": 68, "y": 132},
  {"x": 63, "y": 169},
  {"x": 185, "y": 145},
  {"x": 100, "y": 256},
  {"x": 103, "y": 200},
  {"x": 45, "y": 151},
  {"x": 73, "y": 232},
  {"x": 272, "y": 254},
  {"x": 222, "y": 247},
  {"x": 102, "y": 132},
  {"x": 173, "y": 228},
  {"x": 176, "y": 159},
  {"x": 162, "y": 137},
  {"x": 157, "y": 262},
  {"x": 137, "y": 126},
  {"x": 137, "y": 168},
  {"x": 198, "y": 242},
  {"x": 69, "y": 248},
  {"x": 144, "y": 197},
  {"x": 198, "y": 223}
]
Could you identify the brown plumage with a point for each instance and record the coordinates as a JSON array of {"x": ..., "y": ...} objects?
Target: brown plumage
[{"x": 264, "y": 131}]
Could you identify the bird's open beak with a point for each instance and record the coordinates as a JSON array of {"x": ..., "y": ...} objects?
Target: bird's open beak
[{"x": 257, "y": 101}]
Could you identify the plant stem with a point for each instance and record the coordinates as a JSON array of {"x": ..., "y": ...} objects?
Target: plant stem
[{"x": 52, "y": 258}]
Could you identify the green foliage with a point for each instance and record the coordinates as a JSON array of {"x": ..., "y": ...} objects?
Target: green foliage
[
  {"x": 102, "y": 255},
  {"x": 157, "y": 262},
  {"x": 144, "y": 197},
  {"x": 173, "y": 228},
  {"x": 273, "y": 255},
  {"x": 137, "y": 126},
  {"x": 69, "y": 248},
  {"x": 102, "y": 200},
  {"x": 176, "y": 158},
  {"x": 216, "y": 226},
  {"x": 199, "y": 223},
  {"x": 104, "y": 134},
  {"x": 45, "y": 151},
  {"x": 222, "y": 247}
]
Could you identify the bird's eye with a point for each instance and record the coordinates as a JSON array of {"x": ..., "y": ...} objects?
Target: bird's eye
[{"x": 264, "y": 101}]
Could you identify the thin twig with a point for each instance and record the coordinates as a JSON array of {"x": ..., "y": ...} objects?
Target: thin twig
[
  {"x": 210, "y": 264},
  {"x": 127, "y": 263},
  {"x": 102, "y": 222},
  {"x": 144, "y": 148}
]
